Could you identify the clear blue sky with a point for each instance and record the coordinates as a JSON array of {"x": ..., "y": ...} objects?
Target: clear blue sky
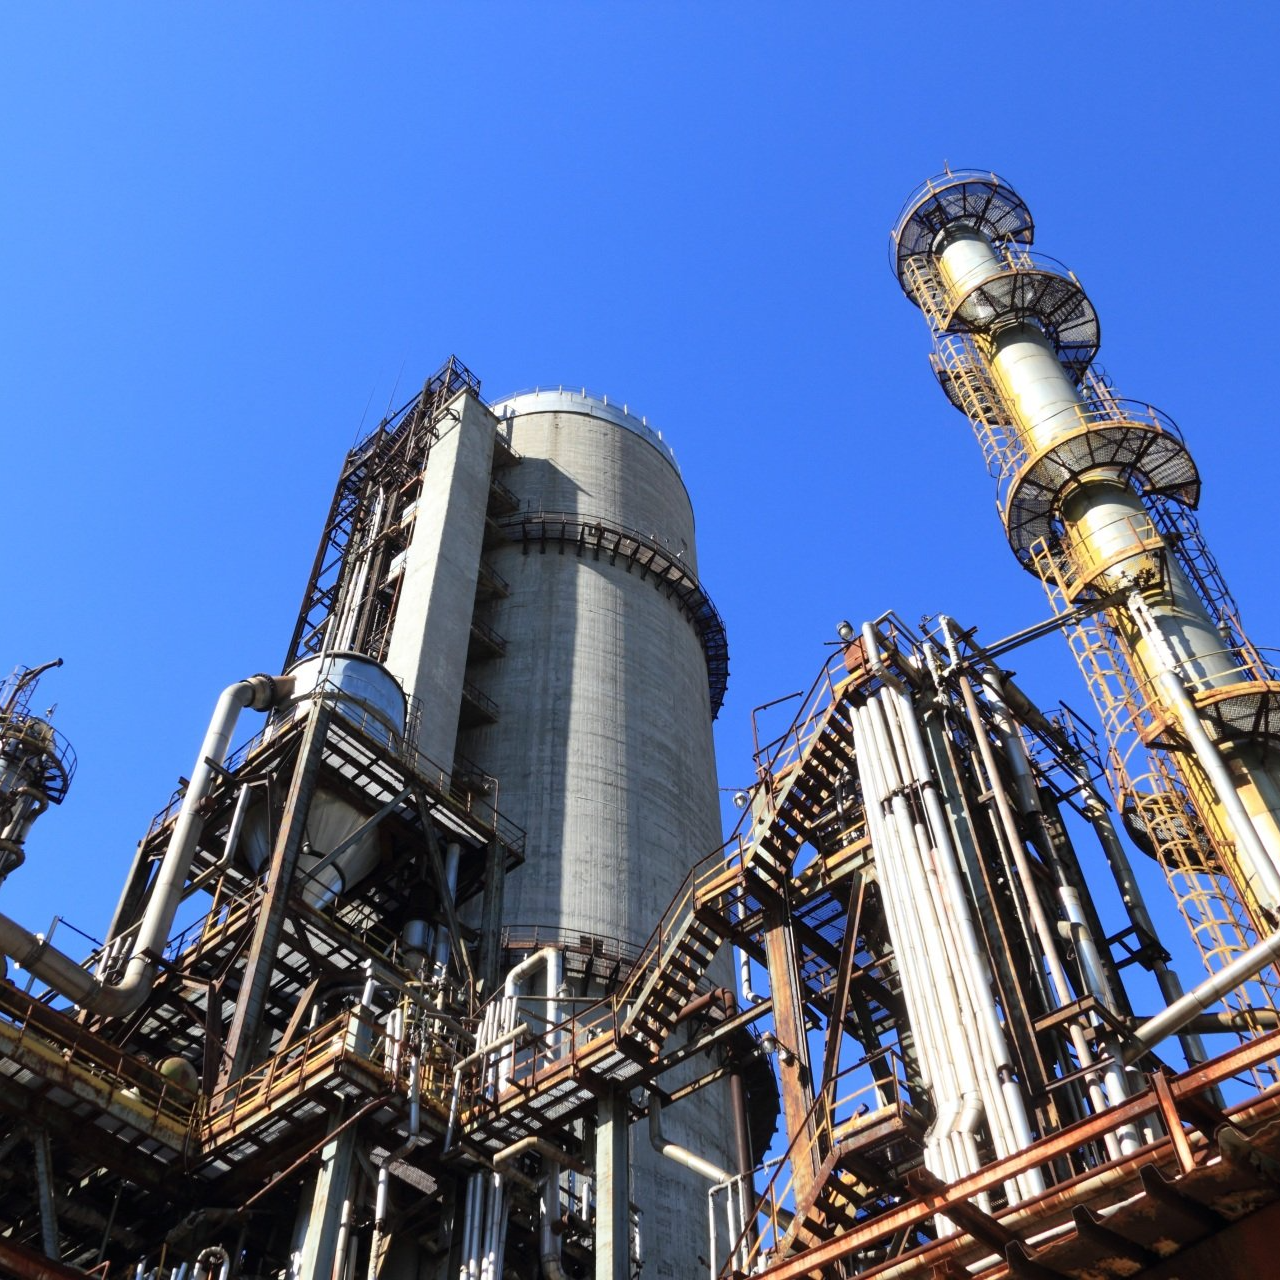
[{"x": 233, "y": 234}]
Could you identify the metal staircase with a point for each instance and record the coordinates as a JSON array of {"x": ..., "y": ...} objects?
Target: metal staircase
[{"x": 725, "y": 896}]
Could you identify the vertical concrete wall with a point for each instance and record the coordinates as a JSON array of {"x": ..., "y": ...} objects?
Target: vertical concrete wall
[
  {"x": 428, "y": 646},
  {"x": 604, "y": 750}
]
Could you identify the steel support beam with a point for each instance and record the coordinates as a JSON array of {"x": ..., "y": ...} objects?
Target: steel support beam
[
  {"x": 796, "y": 1075},
  {"x": 320, "y": 1241},
  {"x": 269, "y": 925},
  {"x": 44, "y": 1188},
  {"x": 490, "y": 960}
]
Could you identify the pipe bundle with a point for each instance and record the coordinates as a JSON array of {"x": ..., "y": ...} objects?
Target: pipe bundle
[{"x": 960, "y": 1045}]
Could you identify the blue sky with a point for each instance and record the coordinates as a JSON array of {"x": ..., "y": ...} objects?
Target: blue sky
[{"x": 233, "y": 234}]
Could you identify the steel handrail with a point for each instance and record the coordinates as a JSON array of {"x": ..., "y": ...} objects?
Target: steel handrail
[
  {"x": 117, "y": 1068},
  {"x": 825, "y": 1137}
]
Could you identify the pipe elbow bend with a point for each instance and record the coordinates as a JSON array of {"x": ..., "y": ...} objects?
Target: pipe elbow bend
[{"x": 262, "y": 691}]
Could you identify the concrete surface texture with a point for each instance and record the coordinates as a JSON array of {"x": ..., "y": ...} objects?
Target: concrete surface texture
[{"x": 603, "y": 749}]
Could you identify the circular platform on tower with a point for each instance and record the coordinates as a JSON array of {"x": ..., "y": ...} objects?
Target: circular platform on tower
[{"x": 969, "y": 198}]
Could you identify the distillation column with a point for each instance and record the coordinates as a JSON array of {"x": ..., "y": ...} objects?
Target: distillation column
[{"x": 1096, "y": 493}]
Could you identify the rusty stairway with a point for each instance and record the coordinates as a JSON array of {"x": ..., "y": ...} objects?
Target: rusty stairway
[{"x": 619, "y": 1041}]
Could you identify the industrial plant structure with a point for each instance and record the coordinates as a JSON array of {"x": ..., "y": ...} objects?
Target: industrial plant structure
[{"x": 433, "y": 976}]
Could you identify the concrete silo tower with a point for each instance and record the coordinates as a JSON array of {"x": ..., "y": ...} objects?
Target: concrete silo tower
[
  {"x": 614, "y": 664},
  {"x": 529, "y": 574},
  {"x": 602, "y": 744}
]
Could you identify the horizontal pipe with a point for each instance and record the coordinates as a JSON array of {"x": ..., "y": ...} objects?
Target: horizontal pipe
[
  {"x": 700, "y": 1004},
  {"x": 545, "y": 1148}
]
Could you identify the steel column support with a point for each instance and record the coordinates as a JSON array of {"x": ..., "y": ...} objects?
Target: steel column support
[
  {"x": 613, "y": 1189},
  {"x": 435, "y": 861},
  {"x": 256, "y": 979},
  {"x": 794, "y": 1070},
  {"x": 324, "y": 1222}
]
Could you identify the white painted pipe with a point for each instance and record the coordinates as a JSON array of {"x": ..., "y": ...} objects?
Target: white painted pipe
[
  {"x": 489, "y": 1261},
  {"x": 551, "y": 961},
  {"x": 874, "y": 791},
  {"x": 499, "y": 1029},
  {"x": 206, "y": 1260},
  {"x": 63, "y": 974},
  {"x": 470, "y": 1245},
  {"x": 936, "y": 1071},
  {"x": 664, "y": 1146},
  {"x": 957, "y": 1119},
  {"x": 341, "y": 1267},
  {"x": 477, "y": 1055},
  {"x": 681, "y": 1155},
  {"x": 880, "y": 781},
  {"x": 232, "y": 841},
  {"x": 548, "y": 1240},
  {"x": 414, "y": 1139},
  {"x": 932, "y": 1032}
]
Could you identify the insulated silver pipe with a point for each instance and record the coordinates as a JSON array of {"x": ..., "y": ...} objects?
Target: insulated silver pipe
[
  {"x": 936, "y": 1067},
  {"x": 1127, "y": 1137},
  {"x": 1246, "y": 966},
  {"x": 58, "y": 970},
  {"x": 478, "y": 1055},
  {"x": 930, "y": 859},
  {"x": 414, "y": 1138},
  {"x": 1011, "y": 1129}
]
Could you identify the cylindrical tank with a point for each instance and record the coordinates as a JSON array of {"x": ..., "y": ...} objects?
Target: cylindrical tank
[
  {"x": 368, "y": 696},
  {"x": 363, "y": 691},
  {"x": 603, "y": 749}
]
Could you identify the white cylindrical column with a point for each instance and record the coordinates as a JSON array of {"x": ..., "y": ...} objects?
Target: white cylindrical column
[{"x": 1107, "y": 527}]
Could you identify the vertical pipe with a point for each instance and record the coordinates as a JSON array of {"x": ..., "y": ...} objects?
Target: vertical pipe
[
  {"x": 742, "y": 1151},
  {"x": 1127, "y": 1136},
  {"x": 1007, "y": 1115},
  {"x": 44, "y": 1188},
  {"x": 452, "y": 858},
  {"x": 1095, "y": 979}
]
